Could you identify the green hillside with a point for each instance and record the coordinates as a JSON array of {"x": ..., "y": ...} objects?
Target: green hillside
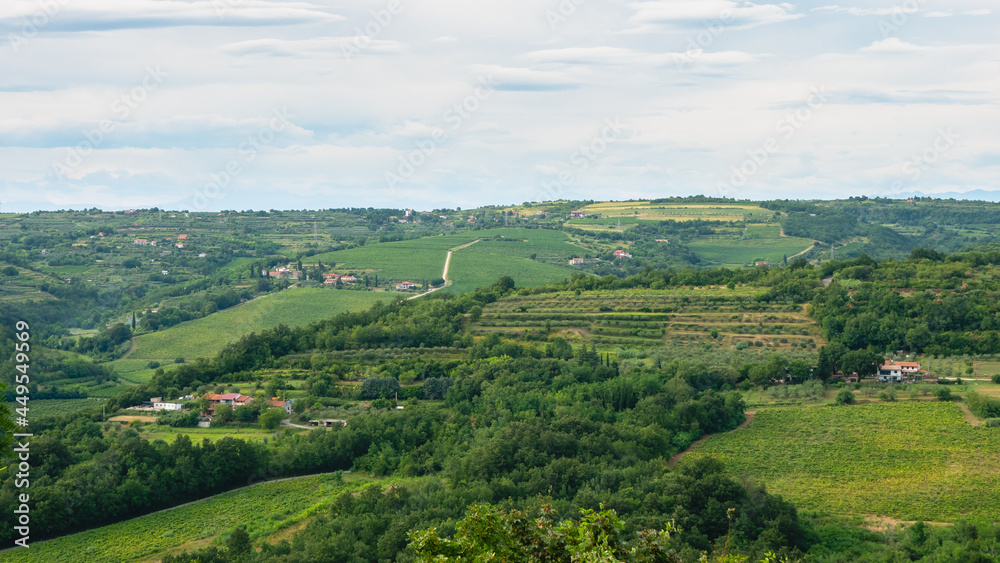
[{"x": 293, "y": 307}]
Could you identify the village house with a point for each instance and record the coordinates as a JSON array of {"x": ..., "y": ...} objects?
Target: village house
[
  {"x": 406, "y": 285},
  {"x": 890, "y": 372},
  {"x": 160, "y": 405},
  {"x": 622, "y": 254},
  {"x": 762, "y": 263},
  {"x": 575, "y": 261},
  {"x": 179, "y": 245},
  {"x": 285, "y": 274},
  {"x": 279, "y": 404},
  {"x": 348, "y": 279},
  {"x": 895, "y": 371},
  {"x": 140, "y": 242},
  {"x": 576, "y": 214}
]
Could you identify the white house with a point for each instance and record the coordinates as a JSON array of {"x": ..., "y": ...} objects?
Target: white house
[
  {"x": 159, "y": 406},
  {"x": 278, "y": 403},
  {"x": 890, "y": 372}
]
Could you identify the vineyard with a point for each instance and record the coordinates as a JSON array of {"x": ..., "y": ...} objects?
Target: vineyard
[
  {"x": 907, "y": 460},
  {"x": 263, "y": 509},
  {"x": 293, "y": 307},
  {"x": 647, "y": 211},
  {"x": 725, "y": 317}
]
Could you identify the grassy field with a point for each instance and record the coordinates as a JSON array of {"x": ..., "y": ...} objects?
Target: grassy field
[
  {"x": 743, "y": 251},
  {"x": 483, "y": 263},
  {"x": 264, "y": 509},
  {"x": 168, "y": 434},
  {"x": 421, "y": 258},
  {"x": 906, "y": 460},
  {"x": 136, "y": 371},
  {"x": 293, "y": 307},
  {"x": 472, "y": 266}
]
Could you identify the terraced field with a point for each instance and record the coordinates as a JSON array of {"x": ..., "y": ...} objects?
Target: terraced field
[
  {"x": 908, "y": 460},
  {"x": 647, "y": 211},
  {"x": 652, "y": 318}
]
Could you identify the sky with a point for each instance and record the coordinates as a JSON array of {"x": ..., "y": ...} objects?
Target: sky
[{"x": 206, "y": 105}]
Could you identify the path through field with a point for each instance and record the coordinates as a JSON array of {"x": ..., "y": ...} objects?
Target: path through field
[
  {"x": 444, "y": 274},
  {"x": 677, "y": 457}
]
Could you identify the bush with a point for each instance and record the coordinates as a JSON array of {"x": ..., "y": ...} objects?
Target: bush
[
  {"x": 845, "y": 397},
  {"x": 992, "y": 423},
  {"x": 153, "y": 364},
  {"x": 996, "y": 378},
  {"x": 943, "y": 394},
  {"x": 179, "y": 360}
]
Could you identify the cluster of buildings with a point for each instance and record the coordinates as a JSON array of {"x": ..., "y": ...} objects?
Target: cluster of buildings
[
  {"x": 333, "y": 279},
  {"x": 214, "y": 400},
  {"x": 896, "y": 371},
  {"x": 147, "y": 242}
]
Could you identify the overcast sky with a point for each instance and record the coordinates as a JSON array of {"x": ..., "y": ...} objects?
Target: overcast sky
[{"x": 258, "y": 104}]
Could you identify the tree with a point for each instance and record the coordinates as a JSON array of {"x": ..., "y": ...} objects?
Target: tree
[
  {"x": 6, "y": 428},
  {"x": 224, "y": 413},
  {"x": 244, "y": 413},
  {"x": 862, "y": 362},
  {"x": 271, "y": 419},
  {"x": 488, "y": 534}
]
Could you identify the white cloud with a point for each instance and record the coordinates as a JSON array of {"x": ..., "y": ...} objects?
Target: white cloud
[
  {"x": 652, "y": 14},
  {"x": 103, "y": 15}
]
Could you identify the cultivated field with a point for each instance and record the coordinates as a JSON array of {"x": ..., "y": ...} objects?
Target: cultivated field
[
  {"x": 677, "y": 316},
  {"x": 905, "y": 460},
  {"x": 646, "y": 211},
  {"x": 757, "y": 242},
  {"x": 169, "y": 434},
  {"x": 292, "y": 307},
  {"x": 59, "y": 407},
  {"x": 263, "y": 509}
]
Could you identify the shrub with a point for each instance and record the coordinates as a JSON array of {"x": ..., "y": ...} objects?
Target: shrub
[
  {"x": 845, "y": 397},
  {"x": 992, "y": 423},
  {"x": 943, "y": 394},
  {"x": 996, "y": 378},
  {"x": 153, "y": 364}
]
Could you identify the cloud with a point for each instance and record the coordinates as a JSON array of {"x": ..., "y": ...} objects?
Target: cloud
[
  {"x": 316, "y": 47},
  {"x": 104, "y": 15},
  {"x": 654, "y": 14},
  {"x": 526, "y": 79}
]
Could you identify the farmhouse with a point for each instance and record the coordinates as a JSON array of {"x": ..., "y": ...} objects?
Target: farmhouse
[
  {"x": 159, "y": 405},
  {"x": 762, "y": 263},
  {"x": 140, "y": 242},
  {"x": 622, "y": 254},
  {"x": 575, "y": 261},
  {"x": 278, "y": 403},
  {"x": 406, "y": 285},
  {"x": 577, "y": 214},
  {"x": 348, "y": 279},
  {"x": 285, "y": 274},
  {"x": 890, "y": 371}
]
